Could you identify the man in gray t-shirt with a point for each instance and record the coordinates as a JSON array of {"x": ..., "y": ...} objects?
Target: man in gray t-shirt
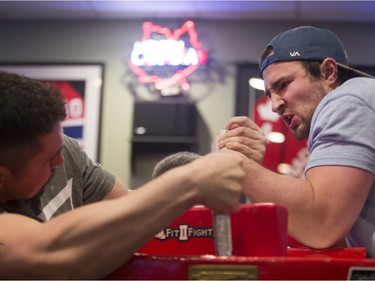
[
  {"x": 319, "y": 97},
  {"x": 53, "y": 222}
]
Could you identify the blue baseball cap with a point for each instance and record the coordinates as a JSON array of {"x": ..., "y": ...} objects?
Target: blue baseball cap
[{"x": 308, "y": 43}]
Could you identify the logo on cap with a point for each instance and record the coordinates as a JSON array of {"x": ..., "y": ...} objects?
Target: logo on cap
[{"x": 294, "y": 54}]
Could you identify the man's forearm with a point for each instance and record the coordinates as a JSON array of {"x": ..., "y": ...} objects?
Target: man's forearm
[{"x": 263, "y": 185}]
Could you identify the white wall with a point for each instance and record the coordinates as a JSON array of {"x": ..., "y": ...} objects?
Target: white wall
[{"x": 110, "y": 42}]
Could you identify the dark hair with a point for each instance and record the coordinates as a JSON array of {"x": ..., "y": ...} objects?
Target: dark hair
[
  {"x": 28, "y": 109},
  {"x": 174, "y": 160},
  {"x": 313, "y": 68}
]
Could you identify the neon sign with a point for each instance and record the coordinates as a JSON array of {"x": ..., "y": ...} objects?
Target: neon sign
[
  {"x": 163, "y": 52},
  {"x": 164, "y": 58}
]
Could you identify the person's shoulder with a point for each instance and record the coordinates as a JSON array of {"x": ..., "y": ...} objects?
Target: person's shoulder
[
  {"x": 358, "y": 83},
  {"x": 359, "y": 87},
  {"x": 72, "y": 149}
]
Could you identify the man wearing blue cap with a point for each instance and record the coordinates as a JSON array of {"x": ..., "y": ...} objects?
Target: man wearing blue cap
[{"x": 321, "y": 98}]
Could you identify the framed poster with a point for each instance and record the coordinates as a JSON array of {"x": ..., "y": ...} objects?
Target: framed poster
[{"x": 81, "y": 85}]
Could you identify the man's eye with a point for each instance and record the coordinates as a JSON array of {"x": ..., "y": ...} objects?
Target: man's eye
[
  {"x": 284, "y": 85},
  {"x": 267, "y": 94}
]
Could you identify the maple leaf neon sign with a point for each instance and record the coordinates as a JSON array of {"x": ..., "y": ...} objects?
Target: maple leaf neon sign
[{"x": 166, "y": 62}]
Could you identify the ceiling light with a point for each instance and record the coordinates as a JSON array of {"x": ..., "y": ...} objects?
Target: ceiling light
[{"x": 256, "y": 83}]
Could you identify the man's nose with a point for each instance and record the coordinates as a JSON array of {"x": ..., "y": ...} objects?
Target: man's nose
[{"x": 277, "y": 103}]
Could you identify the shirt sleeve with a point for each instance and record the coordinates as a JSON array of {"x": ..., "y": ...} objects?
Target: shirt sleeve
[
  {"x": 343, "y": 133},
  {"x": 96, "y": 181}
]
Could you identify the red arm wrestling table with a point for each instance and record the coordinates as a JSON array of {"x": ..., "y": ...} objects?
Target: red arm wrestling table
[{"x": 185, "y": 251}]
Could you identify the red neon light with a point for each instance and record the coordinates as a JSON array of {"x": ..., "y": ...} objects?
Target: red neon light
[{"x": 180, "y": 75}]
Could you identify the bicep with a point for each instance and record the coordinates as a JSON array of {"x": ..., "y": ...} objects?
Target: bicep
[
  {"x": 340, "y": 193},
  {"x": 20, "y": 238}
]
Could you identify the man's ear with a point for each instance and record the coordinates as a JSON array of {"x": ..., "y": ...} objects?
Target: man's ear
[{"x": 329, "y": 70}]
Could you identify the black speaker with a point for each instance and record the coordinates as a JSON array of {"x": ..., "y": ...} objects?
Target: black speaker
[{"x": 164, "y": 118}]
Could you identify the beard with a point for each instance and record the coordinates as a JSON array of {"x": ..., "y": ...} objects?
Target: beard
[{"x": 303, "y": 130}]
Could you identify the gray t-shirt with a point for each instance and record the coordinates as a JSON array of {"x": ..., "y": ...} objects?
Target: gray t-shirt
[
  {"x": 343, "y": 134},
  {"x": 77, "y": 182}
]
